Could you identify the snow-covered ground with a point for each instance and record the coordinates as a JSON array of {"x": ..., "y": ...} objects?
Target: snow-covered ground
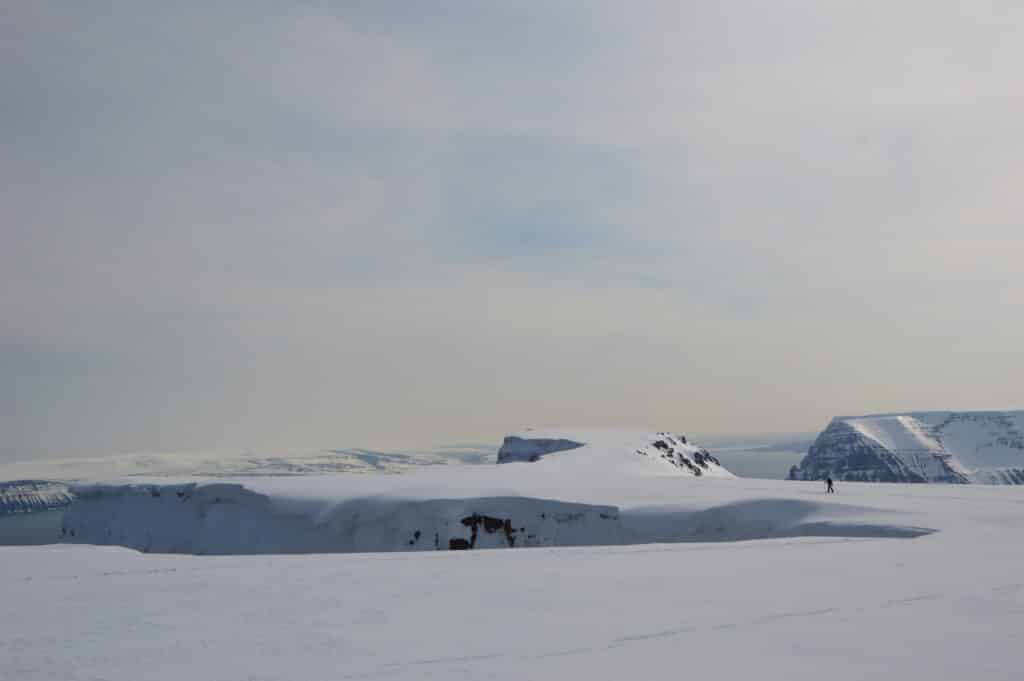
[
  {"x": 30, "y": 496},
  {"x": 946, "y": 605},
  {"x": 633, "y": 571}
]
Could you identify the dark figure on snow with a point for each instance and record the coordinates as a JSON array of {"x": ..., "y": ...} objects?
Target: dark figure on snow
[{"x": 829, "y": 489}]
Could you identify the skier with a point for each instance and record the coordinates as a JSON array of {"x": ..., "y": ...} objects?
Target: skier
[{"x": 829, "y": 489}]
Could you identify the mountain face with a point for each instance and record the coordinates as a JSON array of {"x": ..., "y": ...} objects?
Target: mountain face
[{"x": 951, "y": 447}]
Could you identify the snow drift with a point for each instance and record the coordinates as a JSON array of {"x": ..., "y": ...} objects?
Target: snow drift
[
  {"x": 224, "y": 518},
  {"x": 605, "y": 488},
  {"x": 950, "y": 447}
]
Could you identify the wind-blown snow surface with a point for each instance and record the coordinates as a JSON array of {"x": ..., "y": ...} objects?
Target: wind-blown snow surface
[
  {"x": 954, "y": 447},
  {"x": 948, "y": 605}
]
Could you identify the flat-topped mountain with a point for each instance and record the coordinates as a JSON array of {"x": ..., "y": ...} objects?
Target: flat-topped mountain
[{"x": 939, "y": 446}]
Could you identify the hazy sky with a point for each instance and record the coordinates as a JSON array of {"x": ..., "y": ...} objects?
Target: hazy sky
[{"x": 249, "y": 224}]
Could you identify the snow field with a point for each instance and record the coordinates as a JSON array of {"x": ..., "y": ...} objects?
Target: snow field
[{"x": 947, "y": 605}]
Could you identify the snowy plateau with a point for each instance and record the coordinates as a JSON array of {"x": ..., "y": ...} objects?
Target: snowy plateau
[
  {"x": 550, "y": 489},
  {"x": 634, "y": 556},
  {"x": 951, "y": 447}
]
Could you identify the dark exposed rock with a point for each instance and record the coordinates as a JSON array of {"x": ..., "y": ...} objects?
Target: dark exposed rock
[
  {"x": 523, "y": 449},
  {"x": 458, "y": 544},
  {"x": 675, "y": 450},
  {"x": 490, "y": 525}
]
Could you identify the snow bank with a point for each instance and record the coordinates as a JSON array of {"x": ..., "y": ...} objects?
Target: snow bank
[
  {"x": 943, "y": 607},
  {"x": 221, "y": 518}
]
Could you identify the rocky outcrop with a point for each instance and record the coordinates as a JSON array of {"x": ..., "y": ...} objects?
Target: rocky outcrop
[{"x": 675, "y": 450}]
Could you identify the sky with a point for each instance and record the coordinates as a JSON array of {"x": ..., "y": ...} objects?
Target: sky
[{"x": 334, "y": 224}]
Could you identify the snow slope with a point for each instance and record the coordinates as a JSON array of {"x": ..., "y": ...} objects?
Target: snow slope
[
  {"x": 615, "y": 488},
  {"x": 954, "y": 447},
  {"x": 944, "y": 606}
]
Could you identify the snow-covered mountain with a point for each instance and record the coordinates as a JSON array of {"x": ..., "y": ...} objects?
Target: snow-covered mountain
[
  {"x": 951, "y": 447},
  {"x": 615, "y": 448}
]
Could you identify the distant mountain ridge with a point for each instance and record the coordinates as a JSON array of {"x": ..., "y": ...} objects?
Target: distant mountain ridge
[
  {"x": 958, "y": 447},
  {"x": 29, "y": 496},
  {"x": 661, "y": 450}
]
